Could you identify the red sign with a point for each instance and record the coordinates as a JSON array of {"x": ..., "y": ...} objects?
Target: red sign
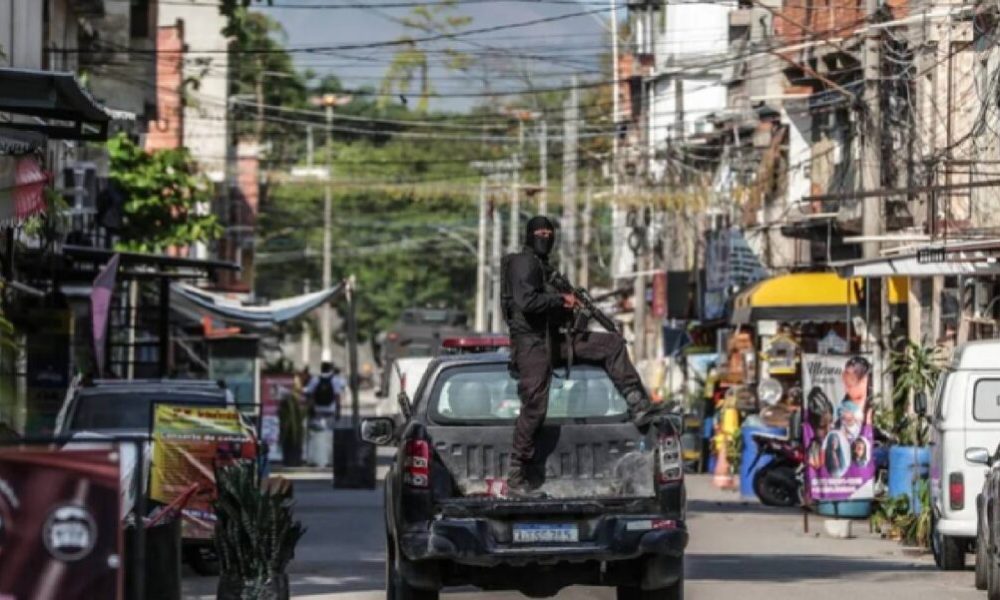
[
  {"x": 60, "y": 524},
  {"x": 660, "y": 294}
]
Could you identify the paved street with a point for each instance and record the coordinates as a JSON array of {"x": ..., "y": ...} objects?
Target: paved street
[{"x": 738, "y": 550}]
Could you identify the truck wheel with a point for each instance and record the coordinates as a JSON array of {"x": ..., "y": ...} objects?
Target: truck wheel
[
  {"x": 674, "y": 592},
  {"x": 949, "y": 553},
  {"x": 952, "y": 554},
  {"x": 992, "y": 579},
  {"x": 396, "y": 587}
]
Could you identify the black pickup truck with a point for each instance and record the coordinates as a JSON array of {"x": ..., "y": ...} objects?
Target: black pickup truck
[{"x": 613, "y": 505}]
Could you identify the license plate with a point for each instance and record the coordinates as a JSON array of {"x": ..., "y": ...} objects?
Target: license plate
[{"x": 530, "y": 533}]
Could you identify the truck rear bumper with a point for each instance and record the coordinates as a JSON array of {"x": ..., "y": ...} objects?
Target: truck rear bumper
[{"x": 481, "y": 543}]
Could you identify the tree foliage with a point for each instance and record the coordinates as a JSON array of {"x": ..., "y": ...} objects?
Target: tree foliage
[
  {"x": 413, "y": 60},
  {"x": 390, "y": 240},
  {"x": 162, "y": 192}
]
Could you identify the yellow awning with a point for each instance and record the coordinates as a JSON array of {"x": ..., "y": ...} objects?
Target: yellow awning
[{"x": 807, "y": 296}]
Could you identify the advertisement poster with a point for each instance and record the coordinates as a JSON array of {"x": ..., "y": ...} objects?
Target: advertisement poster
[
  {"x": 60, "y": 531},
  {"x": 188, "y": 443},
  {"x": 837, "y": 427},
  {"x": 273, "y": 389}
]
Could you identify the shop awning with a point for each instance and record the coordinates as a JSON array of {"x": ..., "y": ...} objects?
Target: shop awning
[
  {"x": 234, "y": 311},
  {"x": 63, "y": 108},
  {"x": 961, "y": 258},
  {"x": 807, "y": 297}
]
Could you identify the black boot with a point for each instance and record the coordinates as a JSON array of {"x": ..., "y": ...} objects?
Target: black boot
[
  {"x": 518, "y": 484},
  {"x": 641, "y": 410}
]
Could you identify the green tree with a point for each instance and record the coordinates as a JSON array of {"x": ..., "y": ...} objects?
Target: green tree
[
  {"x": 163, "y": 190},
  {"x": 389, "y": 238},
  {"x": 413, "y": 61}
]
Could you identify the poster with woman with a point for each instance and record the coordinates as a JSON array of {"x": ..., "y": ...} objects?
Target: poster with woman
[{"x": 837, "y": 427}]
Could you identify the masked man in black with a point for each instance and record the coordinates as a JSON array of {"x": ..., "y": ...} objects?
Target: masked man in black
[{"x": 535, "y": 313}]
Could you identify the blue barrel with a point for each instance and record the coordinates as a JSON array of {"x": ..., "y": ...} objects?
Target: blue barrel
[
  {"x": 844, "y": 509},
  {"x": 907, "y": 466},
  {"x": 750, "y": 454}
]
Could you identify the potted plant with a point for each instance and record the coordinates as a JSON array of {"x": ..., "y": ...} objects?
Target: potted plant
[
  {"x": 256, "y": 534},
  {"x": 915, "y": 369},
  {"x": 292, "y": 430}
]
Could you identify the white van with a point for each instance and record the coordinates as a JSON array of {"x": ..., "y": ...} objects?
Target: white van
[
  {"x": 407, "y": 378},
  {"x": 966, "y": 415}
]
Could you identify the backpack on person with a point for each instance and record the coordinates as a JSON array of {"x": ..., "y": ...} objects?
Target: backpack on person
[{"x": 324, "y": 395}]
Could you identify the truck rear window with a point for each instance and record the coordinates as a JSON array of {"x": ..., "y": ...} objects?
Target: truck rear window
[
  {"x": 986, "y": 400},
  {"x": 128, "y": 412},
  {"x": 487, "y": 394}
]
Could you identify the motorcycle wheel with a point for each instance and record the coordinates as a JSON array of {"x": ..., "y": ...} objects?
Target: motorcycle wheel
[{"x": 776, "y": 486}]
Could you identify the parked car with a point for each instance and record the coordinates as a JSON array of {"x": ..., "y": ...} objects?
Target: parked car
[
  {"x": 612, "y": 509},
  {"x": 987, "y": 530},
  {"x": 124, "y": 408},
  {"x": 405, "y": 374},
  {"x": 418, "y": 333},
  {"x": 966, "y": 417}
]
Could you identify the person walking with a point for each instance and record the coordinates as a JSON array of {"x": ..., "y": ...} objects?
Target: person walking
[{"x": 324, "y": 392}]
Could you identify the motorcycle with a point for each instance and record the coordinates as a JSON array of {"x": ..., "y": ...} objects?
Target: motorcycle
[{"x": 779, "y": 482}]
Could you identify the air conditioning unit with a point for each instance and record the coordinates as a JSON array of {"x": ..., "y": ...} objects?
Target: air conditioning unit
[{"x": 80, "y": 187}]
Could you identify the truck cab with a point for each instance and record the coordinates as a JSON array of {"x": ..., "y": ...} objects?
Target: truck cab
[
  {"x": 966, "y": 416},
  {"x": 612, "y": 509}
]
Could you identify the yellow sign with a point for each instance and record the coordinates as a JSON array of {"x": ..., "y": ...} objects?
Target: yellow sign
[{"x": 189, "y": 442}]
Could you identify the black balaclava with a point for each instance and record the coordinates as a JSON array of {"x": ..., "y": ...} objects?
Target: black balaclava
[{"x": 538, "y": 245}]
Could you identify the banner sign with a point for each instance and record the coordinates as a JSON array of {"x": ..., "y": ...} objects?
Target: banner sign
[
  {"x": 60, "y": 528},
  {"x": 837, "y": 427},
  {"x": 273, "y": 389},
  {"x": 189, "y": 442}
]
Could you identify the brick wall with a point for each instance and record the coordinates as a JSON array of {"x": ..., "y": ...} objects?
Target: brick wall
[
  {"x": 801, "y": 19},
  {"x": 167, "y": 130}
]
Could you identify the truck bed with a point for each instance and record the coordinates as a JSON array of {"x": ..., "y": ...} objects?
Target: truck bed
[{"x": 581, "y": 460}]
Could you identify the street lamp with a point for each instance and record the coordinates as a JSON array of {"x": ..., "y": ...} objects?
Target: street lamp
[{"x": 328, "y": 102}]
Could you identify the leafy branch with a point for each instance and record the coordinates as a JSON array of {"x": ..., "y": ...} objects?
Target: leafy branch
[{"x": 164, "y": 193}]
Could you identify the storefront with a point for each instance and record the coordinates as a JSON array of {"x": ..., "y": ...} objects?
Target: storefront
[{"x": 779, "y": 320}]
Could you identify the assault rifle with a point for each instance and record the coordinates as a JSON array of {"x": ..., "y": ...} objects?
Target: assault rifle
[{"x": 586, "y": 307}]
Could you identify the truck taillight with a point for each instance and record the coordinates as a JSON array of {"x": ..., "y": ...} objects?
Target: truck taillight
[
  {"x": 417, "y": 464},
  {"x": 670, "y": 459},
  {"x": 956, "y": 491}
]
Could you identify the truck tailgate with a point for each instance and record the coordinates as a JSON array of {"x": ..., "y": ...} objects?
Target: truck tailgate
[{"x": 591, "y": 460}]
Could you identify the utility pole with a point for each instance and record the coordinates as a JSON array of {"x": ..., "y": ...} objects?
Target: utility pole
[
  {"x": 259, "y": 93},
  {"x": 481, "y": 259},
  {"x": 570, "y": 147},
  {"x": 309, "y": 146},
  {"x": 328, "y": 101},
  {"x": 514, "y": 241},
  {"x": 496, "y": 320},
  {"x": 639, "y": 297},
  {"x": 870, "y": 123},
  {"x": 871, "y": 220},
  {"x": 588, "y": 211},
  {"x": 543, "y": 167},
  {"x": 617, "y": 214},
  {"x": 306, "y": 338}
]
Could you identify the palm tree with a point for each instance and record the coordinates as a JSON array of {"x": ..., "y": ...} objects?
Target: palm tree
[{"x": 412, "y": 61}]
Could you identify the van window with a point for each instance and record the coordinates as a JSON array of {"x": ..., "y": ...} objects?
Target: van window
[
  {"x": 938, "y": 396},
  {"x": 986, "y": 401}
]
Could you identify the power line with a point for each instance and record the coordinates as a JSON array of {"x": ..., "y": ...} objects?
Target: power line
[{"x": 316, "y": 49}]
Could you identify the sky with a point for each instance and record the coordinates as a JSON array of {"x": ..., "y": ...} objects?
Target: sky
[{"x": 549, "y": 52}]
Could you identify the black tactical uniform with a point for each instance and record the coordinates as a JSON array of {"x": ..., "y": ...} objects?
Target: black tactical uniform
[{"x": 535, "y": 313}]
